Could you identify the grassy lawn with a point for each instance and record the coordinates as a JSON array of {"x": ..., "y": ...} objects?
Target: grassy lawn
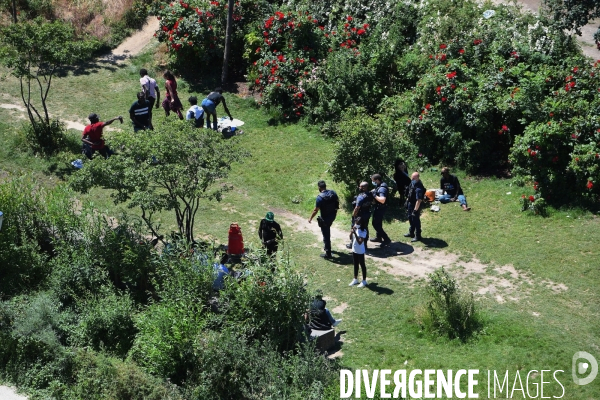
[{"x": 540, "y": 329}]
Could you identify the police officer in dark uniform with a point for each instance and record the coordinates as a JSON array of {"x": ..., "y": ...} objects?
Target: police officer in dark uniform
[
  {"x": 416, "y": 193},
  {"x": 380, "y": 194},
  {"x": 362, "y": 208},
  {"x": 328, "y": 203}
]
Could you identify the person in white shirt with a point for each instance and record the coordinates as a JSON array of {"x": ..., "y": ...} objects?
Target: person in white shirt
[
  {"x": 195, "y": 113},
  {"x": 150, "y": 89},
  {"x": 358, "y": 235}
]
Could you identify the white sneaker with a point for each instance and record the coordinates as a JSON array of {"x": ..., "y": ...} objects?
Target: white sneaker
[
  {"x": 337, "y": 322},
  {"x": 354, "y": 282},
  {"x": 363, "y": 284}
]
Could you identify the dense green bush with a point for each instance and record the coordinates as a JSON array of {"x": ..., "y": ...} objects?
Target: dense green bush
[
  {"x": 367, "y": 145},
  {"x": 449, "y": 312}
]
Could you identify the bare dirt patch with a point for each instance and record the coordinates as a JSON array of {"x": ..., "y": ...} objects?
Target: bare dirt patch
[
  {"x": 403, "y": 260},
  {"x": 134, "y": 44}
]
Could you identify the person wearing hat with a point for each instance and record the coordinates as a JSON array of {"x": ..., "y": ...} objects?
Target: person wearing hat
[
  {"x": 209, "y": 105},
  {"x": 270, "y": 233},
  {"x": 92, "y": 136}
]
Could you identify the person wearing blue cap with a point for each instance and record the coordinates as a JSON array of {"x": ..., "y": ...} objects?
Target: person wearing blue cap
[{"x": 270, "y": 233}]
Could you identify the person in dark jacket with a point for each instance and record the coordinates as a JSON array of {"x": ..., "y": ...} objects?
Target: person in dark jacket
[
  {"x": 380, "y": 198},
  {"x": 401, "y": 178},
  {"x": 452, "y": 190},
  {"x": 270, "y": 233},
  {"x": 209, "y": 105},
  {"x": 320, "y": 318},
  {"x": 327, "y": 203},
  {"x": 416, "y": 193}
]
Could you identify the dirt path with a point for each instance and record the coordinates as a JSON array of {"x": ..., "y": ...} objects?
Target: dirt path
[
  {"x": 134, "y": 44},
  {"x": 588, "y": 45},
  {"x": 403, "y": 260},
  {"x": 10, "y": 393}
]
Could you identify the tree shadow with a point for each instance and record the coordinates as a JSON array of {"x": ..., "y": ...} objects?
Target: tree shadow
[
  {"x": 93, "y": 66},
  {"x": 434, "y": 243},
  {"x": 374, "y": 287},
  {"x": 391, "y": 250}
]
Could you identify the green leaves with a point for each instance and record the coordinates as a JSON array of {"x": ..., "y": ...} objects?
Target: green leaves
[{"x": 171, "y": 168}]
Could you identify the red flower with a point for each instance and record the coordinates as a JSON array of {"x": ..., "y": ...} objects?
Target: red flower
[
  {"x": 552, "y": 114},
  {"x": 568, "y": 78},
  {"x": 322, "y": 28},
  {"x": 451, "y": 75},
  {"x": 443, "y": 46},
  {"x": 257, "y": 81},
  {"x": 349, "y": 18},
  {"x": 366, "y": 26},
  {"x": 589, "y": 185},
  {"x": 574, "y": 136},
  {"x": 597, "y": 156},
  {"x": 504, "y": 128},
  {"x": 461, "y": 51},
  {"x": 281, "y": 58},
  {"x": 443, "y": 99},
  {"x": 575, "y": 69},
  {"x": 477, "y": 42},
  {"x": 443, "y": 57},
  {"x": 531, "y": 199},
  {"x": 453, "y": 86},
  {"x": 438, "y": 89},
  {"x": 428, "y": 106},
  {"x": 555, "y": 159},
  {"x": 361, "y": 32}
]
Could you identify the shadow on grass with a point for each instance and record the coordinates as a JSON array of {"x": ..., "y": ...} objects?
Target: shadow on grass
[
  {"x": 338, "y": 344},
  {"x": 434, "y": 242},
  {"x": 92, "y": 67},
  {"x": 391, "y": 250},
  {"x": 374, "y": 287},
  {"x": 341, "y": 258}
]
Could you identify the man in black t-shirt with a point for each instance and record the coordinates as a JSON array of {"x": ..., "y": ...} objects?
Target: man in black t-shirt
[
  {"x": 270, "y": 233},
  {"x": 452, "y": 190},
  {"x": 416, "y": 193},
  {"x": 328, "y": 203},
  {"x": 139, "y": 113},
  {"x": 380, "y": 195}
]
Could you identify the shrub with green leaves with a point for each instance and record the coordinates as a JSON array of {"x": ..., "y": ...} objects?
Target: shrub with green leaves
[{"x": 449, "y": 312}]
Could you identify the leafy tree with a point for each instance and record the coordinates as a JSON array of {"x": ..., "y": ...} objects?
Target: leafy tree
[
  {"x": 172, "y": 168},
  {"x": 572, "y": 14},
  {"x": 35, "y": 50}
]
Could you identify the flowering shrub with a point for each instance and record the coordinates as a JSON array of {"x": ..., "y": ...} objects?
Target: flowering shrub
[{"x": 535, "y": 204}]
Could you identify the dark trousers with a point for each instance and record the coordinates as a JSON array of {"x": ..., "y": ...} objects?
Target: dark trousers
[
  {"x": 271, "y": 247},
  {"x": 378, "y": 223},
  {"x": 359, "y": 259},
  {"x": 326, "y": 231},
  {"x": 89, "y": 152},
  {"x": 414, "y": 221}
]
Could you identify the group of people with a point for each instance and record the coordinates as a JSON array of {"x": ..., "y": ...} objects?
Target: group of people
[
  {"x": 373, "y": 203},
  {"x": 140, "y": 112}
]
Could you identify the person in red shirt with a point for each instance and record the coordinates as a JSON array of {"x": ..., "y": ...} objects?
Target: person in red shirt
[
  {"x": 171, "y": 101},
  {"x": 92, "y": 136}
]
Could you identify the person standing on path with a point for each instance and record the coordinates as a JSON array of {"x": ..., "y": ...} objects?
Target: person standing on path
[
  {"x": 270, "y": 233},
  {"x": 416, "y": 192},
  {"x": 209, "y": 105},
  {"x": 380, "y": 196},
  {"x": 453, "y": 192},
  {"x": 150, "y": 89},
  {"x": 171, "y": 101},
  {"x": 362, "y": 208},
  {"x": 328, "y": 203},
  {"x": 358, "y": 236},
  {"x": 92, "y": 136},
  {"x": 139, "y": 113}
]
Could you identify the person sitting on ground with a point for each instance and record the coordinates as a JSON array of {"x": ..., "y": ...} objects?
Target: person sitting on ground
[
  {"x": 92, "y": 136},
  {"x": 320, "y": 318},
  {"x": 195, "y": 113},
  {"x": 209, "y": 105},
  {"x": 139, "y": 113},
  {"x": 270, "y": 233},
  {"x": 452, "y": 190}
]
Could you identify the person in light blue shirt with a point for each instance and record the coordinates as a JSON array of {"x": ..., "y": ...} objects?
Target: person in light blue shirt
[{"x": 195, "y": 113}]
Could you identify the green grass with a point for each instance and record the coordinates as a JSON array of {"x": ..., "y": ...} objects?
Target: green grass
[{"x": 380, "y": 324}]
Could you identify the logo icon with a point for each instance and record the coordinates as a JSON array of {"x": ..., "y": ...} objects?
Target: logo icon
[{"x": 580, "y": 368}]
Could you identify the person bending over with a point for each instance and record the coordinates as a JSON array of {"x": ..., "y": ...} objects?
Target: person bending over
[
  {"x": 209, "y": 105},
  {"x": 92, "y": 136},
  {"x": 195, "y": 113}
]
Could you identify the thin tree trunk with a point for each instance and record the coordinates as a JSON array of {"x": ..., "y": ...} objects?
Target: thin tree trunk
[
  {"x": 14, "y": 11},
  {"x": 227, "y": 42}
]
